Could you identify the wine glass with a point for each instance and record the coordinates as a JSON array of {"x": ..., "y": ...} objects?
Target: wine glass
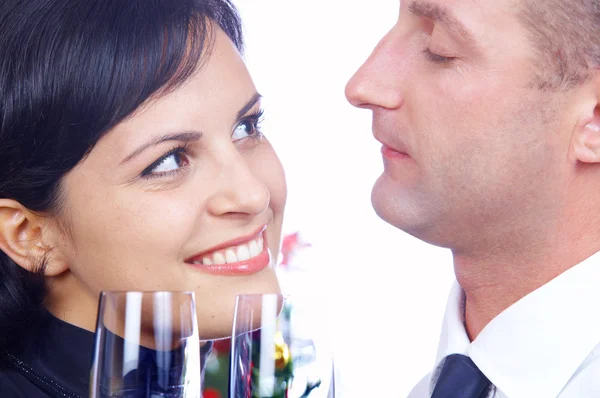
[
  {"x": 280, "y": 348},
  {"x": 146, "y": 345}
]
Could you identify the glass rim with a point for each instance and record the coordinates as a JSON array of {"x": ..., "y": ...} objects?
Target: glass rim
[
  {"x": 285, "y": 296},
  {"x": 146, "y": 292}
]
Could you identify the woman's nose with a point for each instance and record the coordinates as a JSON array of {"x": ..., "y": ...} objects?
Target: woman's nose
[{"x": 240, "y": 191}]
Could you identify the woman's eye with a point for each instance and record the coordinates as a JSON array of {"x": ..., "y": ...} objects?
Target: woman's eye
[
  {"x": 243, "y": 130},
  {"x": 169, "y": 163},
  {"x": 249, "y": 127}
]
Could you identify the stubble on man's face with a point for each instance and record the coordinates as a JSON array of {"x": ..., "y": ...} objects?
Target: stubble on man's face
[{"x": 486, "y": 147}]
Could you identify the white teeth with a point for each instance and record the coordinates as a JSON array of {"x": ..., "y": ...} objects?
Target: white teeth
[
  {"x": 235, "y": 254},
  {"x": 255, "y": 250},
  {"x": 243, "y": 253},
  {"x": 218, "y": 258},
  {"x": 230, "y": 256}
]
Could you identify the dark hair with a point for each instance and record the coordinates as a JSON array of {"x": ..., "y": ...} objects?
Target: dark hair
[
  {"x": 70, "y": 70},
  {"x": 565, "y": 36}
]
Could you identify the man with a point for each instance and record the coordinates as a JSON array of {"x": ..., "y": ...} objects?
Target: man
[{"x": 489, "y": 119}]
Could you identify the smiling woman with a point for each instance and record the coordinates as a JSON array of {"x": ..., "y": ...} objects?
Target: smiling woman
[{"x": 131, "y": 158}]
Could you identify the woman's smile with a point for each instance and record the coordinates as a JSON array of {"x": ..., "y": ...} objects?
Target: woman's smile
[{"x": 246, "y": 255}]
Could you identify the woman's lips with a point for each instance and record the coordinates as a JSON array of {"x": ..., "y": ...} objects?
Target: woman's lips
[{"x": 242, "y": 259}]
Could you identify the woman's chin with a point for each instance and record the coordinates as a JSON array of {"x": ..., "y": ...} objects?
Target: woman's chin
[{"x": 215, "y": 319}]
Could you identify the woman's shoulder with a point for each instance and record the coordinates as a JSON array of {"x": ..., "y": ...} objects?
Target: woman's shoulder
[
  {"x": 19, "y": 380},
  {"x": 52, "y": 360},
  {"x": 14, "y": 384}
]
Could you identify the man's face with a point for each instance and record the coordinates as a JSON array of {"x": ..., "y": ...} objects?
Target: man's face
[{"x": 472, "y": 150}]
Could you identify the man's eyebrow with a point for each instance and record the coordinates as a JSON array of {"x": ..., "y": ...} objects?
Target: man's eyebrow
[
  {"x": 436, "y": 12},
  {"x": 181, "y": 136}
]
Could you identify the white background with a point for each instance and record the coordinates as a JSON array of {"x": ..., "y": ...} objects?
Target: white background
[{"x": 386, "y": 290}]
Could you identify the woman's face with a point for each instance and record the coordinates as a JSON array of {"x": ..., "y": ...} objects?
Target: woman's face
[{"x": 180, "y": 196}]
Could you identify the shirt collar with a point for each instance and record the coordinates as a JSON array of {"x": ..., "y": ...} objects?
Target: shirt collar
[{"x": 535, "y": 346}]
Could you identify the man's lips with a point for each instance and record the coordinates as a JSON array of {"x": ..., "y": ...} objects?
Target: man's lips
[
  {"x": 391, "y": 148},
  {"x": 391, "y": 153}
]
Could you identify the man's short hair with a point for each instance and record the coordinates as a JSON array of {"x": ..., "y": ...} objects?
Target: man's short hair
[{"x": 566, "y": 34}]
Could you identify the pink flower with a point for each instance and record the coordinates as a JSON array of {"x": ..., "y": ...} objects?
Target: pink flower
[{"x": 291, "y": 244}]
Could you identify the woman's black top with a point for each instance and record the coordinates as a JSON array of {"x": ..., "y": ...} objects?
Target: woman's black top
[{"x": 54, "y": 361}]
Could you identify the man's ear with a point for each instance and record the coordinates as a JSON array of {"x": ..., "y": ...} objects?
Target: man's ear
[
  {"x": 585, "y": 143},
  {"x": 27, "y": 239},
  {"x": 586, "y": 138}
]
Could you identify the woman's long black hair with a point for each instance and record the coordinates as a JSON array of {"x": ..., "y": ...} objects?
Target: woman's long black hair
[{"x": 70, "y": 70}]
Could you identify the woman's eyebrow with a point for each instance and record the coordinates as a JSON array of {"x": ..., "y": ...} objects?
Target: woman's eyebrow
[
  {"x": 180, "y": 136},
  {"x": 186, "y": 135},
  {"x": 255, "y": 98}
]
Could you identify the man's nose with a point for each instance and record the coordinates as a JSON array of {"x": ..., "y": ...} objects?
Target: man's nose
[{"x": 376, "y": 83}]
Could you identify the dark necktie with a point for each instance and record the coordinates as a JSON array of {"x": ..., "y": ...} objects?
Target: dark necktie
[{"x": 460, "y": 378}]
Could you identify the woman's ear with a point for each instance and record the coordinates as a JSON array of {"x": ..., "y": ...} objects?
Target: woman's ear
[{"x": 28, "y": 240}]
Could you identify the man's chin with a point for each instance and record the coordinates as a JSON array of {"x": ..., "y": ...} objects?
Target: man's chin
[
  {"x": 405, "y": 213},
  {"x": 390, "y": 204}
]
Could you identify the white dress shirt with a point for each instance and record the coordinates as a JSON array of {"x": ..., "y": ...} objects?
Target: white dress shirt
[{"x": 545, "y": 345}]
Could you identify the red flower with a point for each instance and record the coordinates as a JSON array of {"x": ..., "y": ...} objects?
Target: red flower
[
  {"x": 290, "y": 245},
  {"x": 222, "y": 346},
  {"x": 211, "y": 393}
]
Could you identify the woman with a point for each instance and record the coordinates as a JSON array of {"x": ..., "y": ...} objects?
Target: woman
[{"x": 130, "y": 159}]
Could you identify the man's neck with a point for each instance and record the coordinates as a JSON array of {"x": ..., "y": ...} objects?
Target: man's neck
[
  {"x": 511, "y": 256},
  {"x": 495, "y": 281}
]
